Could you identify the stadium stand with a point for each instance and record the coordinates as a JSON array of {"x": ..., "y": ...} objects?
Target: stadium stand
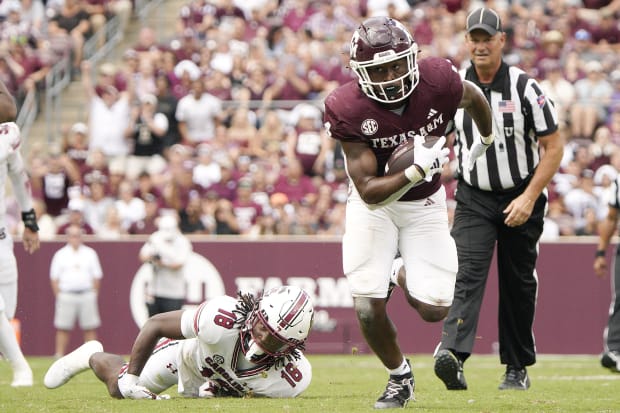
[{"x": 263, "y": 62}]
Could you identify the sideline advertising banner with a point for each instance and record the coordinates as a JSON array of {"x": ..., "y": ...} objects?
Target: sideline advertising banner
[{"x": 571, "y": 314}]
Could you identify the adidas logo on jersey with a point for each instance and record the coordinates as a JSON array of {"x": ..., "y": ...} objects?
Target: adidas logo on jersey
[
  {"x": 428, "y": 202},
  {"x": 431, "y": 113}
]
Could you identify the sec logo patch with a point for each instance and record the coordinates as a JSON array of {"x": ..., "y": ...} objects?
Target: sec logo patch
[{"x": 369, "y": 127}]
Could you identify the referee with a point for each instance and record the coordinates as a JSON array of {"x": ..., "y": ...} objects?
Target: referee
[
  {"x": 611, "y": 335},
  {"x": 501, "y": 201}
]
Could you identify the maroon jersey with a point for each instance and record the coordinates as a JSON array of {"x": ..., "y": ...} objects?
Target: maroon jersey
[
  {"x": 351, "y": 116},
  {"x": 307, "y": 148}
]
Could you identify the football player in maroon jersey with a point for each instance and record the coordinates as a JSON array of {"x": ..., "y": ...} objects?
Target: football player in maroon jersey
[{"x": 398, "y": 97}]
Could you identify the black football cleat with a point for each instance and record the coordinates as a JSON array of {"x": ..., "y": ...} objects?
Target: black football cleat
[
  {"x": 611, "y": 360},
  {"x": 398, "y": 392},
  {"x": 450, "y": 370},
  {"x": 515, "y": 379}
]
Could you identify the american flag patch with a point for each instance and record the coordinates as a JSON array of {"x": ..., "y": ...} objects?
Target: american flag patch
[
  {"x": 541, "y": 101},
  {"x": 506, "y": 106}
]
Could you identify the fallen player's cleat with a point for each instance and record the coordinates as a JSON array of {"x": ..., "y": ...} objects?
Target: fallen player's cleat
[{"x": 73, "y": 363}]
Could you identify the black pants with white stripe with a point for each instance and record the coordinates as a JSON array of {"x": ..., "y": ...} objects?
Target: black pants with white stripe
[
  {"x": 479, "y": 228},
  {"x": 612, "y": 331}
]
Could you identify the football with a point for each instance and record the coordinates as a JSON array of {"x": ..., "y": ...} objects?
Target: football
[{"x": 402, "y": 157}]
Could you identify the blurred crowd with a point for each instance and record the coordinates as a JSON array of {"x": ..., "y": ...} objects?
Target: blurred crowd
[{"x": 222, "y": 123}]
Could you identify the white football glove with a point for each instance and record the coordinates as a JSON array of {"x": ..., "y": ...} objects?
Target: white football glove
[
  {"x": 430, "y": 160},
  {"x": 130, "y": 389},
  {"x": 478, "y": 148}
]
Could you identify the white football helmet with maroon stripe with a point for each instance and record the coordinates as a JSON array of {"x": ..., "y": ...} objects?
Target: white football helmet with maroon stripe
[{"x": 287, "y": 312}]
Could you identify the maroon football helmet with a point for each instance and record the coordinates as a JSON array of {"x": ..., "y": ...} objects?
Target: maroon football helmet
[{"x": 380, "y": 40}]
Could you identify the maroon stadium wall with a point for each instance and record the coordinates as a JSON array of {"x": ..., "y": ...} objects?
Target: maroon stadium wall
[{"x": 572, "y": 303}]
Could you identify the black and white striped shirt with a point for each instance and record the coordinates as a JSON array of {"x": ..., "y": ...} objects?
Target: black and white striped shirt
[{"x": 521, "y": 114}]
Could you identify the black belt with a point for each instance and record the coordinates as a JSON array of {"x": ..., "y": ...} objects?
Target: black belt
[{"x": 78, "y": 291}]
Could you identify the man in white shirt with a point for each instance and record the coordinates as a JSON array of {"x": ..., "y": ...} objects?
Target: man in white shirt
[
  {"x": 75, "y": 274},
  {"x": 199, "y": 114},
  {"x": 168, "y": 250},
  {"x": 108, "y": 117}
]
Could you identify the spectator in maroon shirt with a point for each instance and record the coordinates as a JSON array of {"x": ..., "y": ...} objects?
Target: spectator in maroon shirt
[
  {"x": 227, "y": 186},
  {"x": 55, "y": 183},
  {"x": 148, "y": 224},
  {"x": 255, "y": 80},
  {"x": 574, "y": 20},
  {"x": 295, "y": 185},
  {"x": 297, "y": 15},
  {"x": 190, "y": 218},
  {"x": 288, "y": 82},
  {"x": 228, "y": 9},
  {"x": 187, "y": 47},
  {"x": 247, "y": 211},
  {"x": 146, "y": 188},
  {"x": 28, "y": 64},
  {"x": 552, "y": 45},
  {"x": 195, "y": 15},
  {"x": 177, "y": 191},
  {"x": 76, "y": 146},
  {"x": 75, "y": 216},
  {"x": 606, "y": 33},
  {"x": 147, "y": 41},
  {"x": 97, "y": 169},
  {"x": 307, "y": 140},
  {"x": 602, "y": 5},
  {"x": 110, "y": 75}
]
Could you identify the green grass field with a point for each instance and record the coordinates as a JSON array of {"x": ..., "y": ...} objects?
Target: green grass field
[{"x": 351, "y": 384}]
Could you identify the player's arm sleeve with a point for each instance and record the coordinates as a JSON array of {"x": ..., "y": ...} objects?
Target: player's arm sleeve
[
  {"x": 19, "y": 179},
  {"x": 190, "y": 320},
  {"x": 293, "y": 379},
  {"x": 304, "y": 366},
  {"x": 209, "y": 320}
]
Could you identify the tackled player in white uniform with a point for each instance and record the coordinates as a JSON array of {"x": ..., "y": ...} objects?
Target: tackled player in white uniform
[{"x": 227, "y": 347}]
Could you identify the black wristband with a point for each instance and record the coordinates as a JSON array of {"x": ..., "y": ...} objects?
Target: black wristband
[
  {"x": 599, "y": 253},
  {"x": 30, "y": 220}
]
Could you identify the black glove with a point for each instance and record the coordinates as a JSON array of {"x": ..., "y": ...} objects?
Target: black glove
[{"x": 30, "y": 220}]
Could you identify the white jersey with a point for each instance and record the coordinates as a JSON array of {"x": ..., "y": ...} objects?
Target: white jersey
[
  {"x": 12, "y": 167},
  {"x": 215, "y": 354}
]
